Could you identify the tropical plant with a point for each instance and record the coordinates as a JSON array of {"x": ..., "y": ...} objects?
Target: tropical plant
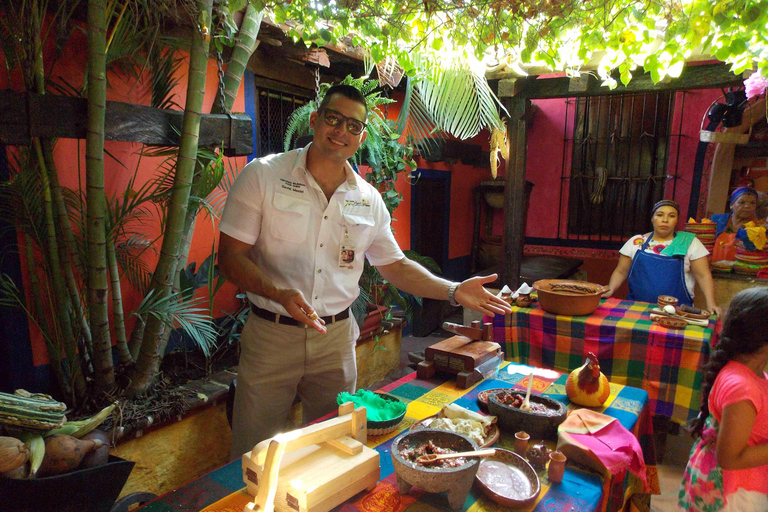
[
  {"x": 620, "y": 36},
  {"x": 79, "y": 243}
]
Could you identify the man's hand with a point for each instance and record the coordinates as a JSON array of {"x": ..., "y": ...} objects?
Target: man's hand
[
  {"x": 293, "y": 301},
  {"x": 473, "y": 295}
]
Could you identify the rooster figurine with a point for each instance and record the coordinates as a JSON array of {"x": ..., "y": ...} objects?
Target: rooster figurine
[{"x": 586, "y": 385}]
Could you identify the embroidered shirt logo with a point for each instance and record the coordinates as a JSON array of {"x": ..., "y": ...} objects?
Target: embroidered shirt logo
[
  {"x": 293, "y": 186},
  {"x": 351, "y": 203}
]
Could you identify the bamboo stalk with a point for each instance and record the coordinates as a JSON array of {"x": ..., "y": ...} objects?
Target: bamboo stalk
[
  {"x": 98, "y": 289},
  {"x": 37, "y": 315},
  {"x": 245, "y": 45},
  {"x": 148, "y": 360},
  {"x": 117, "y": 305}
]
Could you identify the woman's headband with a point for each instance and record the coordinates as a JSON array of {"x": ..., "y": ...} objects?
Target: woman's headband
[
  {"x": 665, "y": 202},
  {"x": 741, "y": 191}
]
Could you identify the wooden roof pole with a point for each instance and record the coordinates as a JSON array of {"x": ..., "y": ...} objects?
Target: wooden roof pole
[{"x": 519, "y": 108}]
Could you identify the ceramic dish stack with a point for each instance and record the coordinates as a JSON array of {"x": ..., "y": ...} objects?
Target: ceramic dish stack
[
  {"x": 722, "y": 266},
  {"x": 704, "y": 231},
  {"x": 749, "y": 263}
]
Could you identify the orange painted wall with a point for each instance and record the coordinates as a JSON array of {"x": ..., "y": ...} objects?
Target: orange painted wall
[{"x": 121, "y": 160}]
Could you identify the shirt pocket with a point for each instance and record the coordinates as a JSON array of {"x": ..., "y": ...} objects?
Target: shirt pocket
[
  {"x": 290, "y": 218},
  {"x": 360, "y": 226}
]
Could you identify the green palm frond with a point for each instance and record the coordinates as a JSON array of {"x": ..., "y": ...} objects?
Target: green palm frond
[
  {"x": 129, "y": 259},
  {"x": 194, "y": 320},
  {"x": 218, "y": 196},
  {"x": 164, "y": 66},
  {"x": 415, "y": 122},
  {"x": 459, "y": 100}
]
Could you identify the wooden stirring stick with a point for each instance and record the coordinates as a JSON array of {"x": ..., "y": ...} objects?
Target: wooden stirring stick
[
  {"x": 433, "y": 457},
  {"x": 527, "y": 402}
]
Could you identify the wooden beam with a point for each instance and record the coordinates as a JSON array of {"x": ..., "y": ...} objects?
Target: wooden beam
[
  {"x": 23, "y": 116},
  {"x": 514, "y": 190},
  {"x": 704, "y": 76}
]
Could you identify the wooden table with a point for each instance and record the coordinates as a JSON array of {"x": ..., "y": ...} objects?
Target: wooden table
[
  {"x": 632, "y": 350},
  {"x": 580, "y": 490}
]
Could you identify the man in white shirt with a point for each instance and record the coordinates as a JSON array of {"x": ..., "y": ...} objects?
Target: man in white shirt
[{"x": 293, "y": 233}]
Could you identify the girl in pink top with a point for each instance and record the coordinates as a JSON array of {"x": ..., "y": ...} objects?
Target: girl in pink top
[{"x": 728, "y": 468}]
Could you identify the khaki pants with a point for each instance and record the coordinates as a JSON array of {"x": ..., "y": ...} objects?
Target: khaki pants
[{"x": 279, "y": 361}]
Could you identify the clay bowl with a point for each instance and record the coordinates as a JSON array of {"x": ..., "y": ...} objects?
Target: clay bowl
[
  {"x": 482, "y": 397},
  {"x": 512, "y": 419},
  {"x": 488, "y": 440},
  {"x": 508, "y": 479},
  {"x": 704, "y": 315},
  {"x": 456, "y": 481},
  {"x": 671, "y": 322},
  {"x": 666, "y": 300},
  {"x": 570, "y": 298}
]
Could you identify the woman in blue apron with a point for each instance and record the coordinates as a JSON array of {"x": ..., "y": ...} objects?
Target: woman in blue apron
[{"x": 664, "y": 262}]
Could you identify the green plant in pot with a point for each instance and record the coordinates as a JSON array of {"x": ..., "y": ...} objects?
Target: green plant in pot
[{"x": 387, "y": 158}]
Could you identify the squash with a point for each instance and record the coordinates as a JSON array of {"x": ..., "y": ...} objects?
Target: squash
[{"x": 13, "y": 453}]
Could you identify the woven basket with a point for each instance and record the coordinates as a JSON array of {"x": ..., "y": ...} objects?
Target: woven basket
[{"x": 379, "y": 428}]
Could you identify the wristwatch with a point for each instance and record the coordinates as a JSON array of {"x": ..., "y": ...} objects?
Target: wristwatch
[{"x": 451, "y": 295}]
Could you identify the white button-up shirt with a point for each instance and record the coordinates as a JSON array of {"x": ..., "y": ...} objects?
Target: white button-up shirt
[{"x": 297, "y": 233}]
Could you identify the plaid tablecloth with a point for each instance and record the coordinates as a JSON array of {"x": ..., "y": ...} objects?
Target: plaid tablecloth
[
  {"x": 580, "y": 491},
  {"x": 632, "y": 350}
]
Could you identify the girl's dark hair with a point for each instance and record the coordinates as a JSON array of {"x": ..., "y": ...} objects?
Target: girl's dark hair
[{"x": 745, "y": 331}]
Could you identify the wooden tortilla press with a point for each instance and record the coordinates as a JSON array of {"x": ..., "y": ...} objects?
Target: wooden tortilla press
[
  {"x": 312, "y": 469},
  {"x": 467, "y": 355}
]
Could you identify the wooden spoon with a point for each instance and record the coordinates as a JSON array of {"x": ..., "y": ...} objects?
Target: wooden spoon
[
  {"x": 526, "y": 406},
  {"x": 433, "y": 457}
]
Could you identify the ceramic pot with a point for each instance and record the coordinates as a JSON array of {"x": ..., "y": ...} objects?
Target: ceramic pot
[
  {"x": 521, "y": 443},
  {"x": 556, "y": 466},
  {"x": 538, "y": 456},
  {"x": 567, "y": 297}
]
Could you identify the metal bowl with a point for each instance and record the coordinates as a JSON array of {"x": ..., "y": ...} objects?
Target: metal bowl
[{"x": 567, "y": 297}]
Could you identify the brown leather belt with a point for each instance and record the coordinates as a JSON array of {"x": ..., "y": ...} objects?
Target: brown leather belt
[{"x": 287, "y": 320}]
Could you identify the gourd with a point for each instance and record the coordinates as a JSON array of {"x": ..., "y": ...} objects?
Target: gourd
[
  {"x": 65, "y": 453},
  {"x": 13, "y": 453},
  {"x": 31, "y": 411}
]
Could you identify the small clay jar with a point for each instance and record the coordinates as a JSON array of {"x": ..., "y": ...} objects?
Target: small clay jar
[
  {"x": 556, "y": 466},
  {"x": 538, "y": 456},
  {"x": 521, "y": 443},
  {"x": 523, "y": 301}
]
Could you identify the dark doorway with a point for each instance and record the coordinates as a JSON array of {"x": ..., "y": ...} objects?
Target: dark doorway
[{"x": 430, "y": 207}]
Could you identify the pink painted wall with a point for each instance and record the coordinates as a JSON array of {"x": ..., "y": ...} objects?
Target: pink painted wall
[{"x": 125, "y": 159}]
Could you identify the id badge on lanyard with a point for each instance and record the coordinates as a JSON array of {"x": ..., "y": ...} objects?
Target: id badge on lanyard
[{"x": 347, "y": 251}]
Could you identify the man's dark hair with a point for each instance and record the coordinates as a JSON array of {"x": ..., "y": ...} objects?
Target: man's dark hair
[{"x": 348, "y": 91}]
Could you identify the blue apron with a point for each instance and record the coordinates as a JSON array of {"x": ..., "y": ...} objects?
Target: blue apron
[{"x": 651, "y": 275}]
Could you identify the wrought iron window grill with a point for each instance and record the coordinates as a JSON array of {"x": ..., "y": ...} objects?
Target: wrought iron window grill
[{"x": 273, "y": 109}]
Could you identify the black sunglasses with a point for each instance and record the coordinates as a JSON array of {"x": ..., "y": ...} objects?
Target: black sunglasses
[{"x": 333, "y": 118}]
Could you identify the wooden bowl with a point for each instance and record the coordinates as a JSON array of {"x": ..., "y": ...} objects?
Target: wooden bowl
[
  {"x": 566, "y": 297},
  {"x": 508, "y": 479},
  {"x": 539, "y": 426},
  {"x": 491, "y": 436}
]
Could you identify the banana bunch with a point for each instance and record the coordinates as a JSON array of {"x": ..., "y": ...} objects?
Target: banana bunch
[
  {"x": 602, "y": 178},
  {"x": 499, "y": 145}
]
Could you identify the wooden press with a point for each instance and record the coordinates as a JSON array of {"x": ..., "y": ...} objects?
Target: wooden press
[
  {"x": 463, "y": 354},
  {"x": 312, "y": 469}
]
